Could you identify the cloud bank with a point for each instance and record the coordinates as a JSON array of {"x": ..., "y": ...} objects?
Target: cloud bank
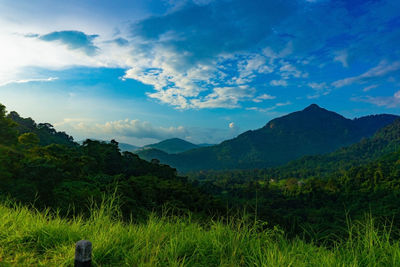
[{"x": 231, "y": 53}]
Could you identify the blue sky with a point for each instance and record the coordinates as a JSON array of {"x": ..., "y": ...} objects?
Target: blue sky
[{"x": 202, "y": 70}]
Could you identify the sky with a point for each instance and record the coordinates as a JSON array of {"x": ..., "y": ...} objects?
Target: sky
[{"x": 202, "y": 70}]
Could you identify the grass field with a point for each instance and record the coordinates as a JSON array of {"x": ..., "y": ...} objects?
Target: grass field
[{"x": 31, "y": 238}]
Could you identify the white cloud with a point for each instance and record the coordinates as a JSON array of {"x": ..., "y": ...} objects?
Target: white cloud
[
  {"x": 124, "y": 128},
  {"x": 18, "y": 52},
  {"x": 273, "y": 55},
  {"x": 369, "y": 88},
  {"x": 317, "y": 86},
  {"x": 341, "y": 56},
  {"x": 67, "y": 121},
  {"x": 382, "y": 69},
  {"x": 281, "y": 104},
  {"x": 287, "y": 70},
  {"x": 227, "y": 97},
  {"x": 382, "y": 101},
  {"x": 271, "y": 108},
  {"x": 250, "y": 67},
  {"x": 263, "y": 97},
  {"x": 50, "y": 79},
  {"x": 320, "y": 89},
  {"x": 278, "y": 83}
]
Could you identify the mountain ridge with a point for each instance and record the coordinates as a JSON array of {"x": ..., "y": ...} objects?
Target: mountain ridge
[{"x": 311, "y": 131}]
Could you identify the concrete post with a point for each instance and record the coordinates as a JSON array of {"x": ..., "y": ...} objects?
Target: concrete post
[{"x": 83, "y": 254}]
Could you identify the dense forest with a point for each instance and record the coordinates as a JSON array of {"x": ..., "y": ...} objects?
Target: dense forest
[
  {"x": 311, "y": 196},
  {"x": 41, "y": 166}
]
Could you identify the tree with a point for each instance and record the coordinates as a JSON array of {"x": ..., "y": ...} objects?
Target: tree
[
  {"x": 28, "y": 140},
  {"x": 8, "y": 134}
]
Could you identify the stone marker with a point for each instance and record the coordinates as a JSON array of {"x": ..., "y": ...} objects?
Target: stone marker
[{"x": 83, "y": 254}]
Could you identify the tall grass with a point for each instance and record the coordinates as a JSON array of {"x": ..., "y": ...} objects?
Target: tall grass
[{"x": 33, "y": 238}]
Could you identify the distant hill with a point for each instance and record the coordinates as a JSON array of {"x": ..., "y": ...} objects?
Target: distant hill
[
  {"x": 311, "y": 131},
  {"x": 127, "y": 147},
  {"x": 171, "y": 146}
]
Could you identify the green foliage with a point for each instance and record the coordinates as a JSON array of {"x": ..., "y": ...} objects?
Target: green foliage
[
  {"x": 8, "y": 134},
  {"x": 44, "y": 131},
  {"x": 28, "y": 139}
]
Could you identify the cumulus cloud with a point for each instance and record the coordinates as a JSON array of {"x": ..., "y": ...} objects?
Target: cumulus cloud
[
  {"x": 125, "y": 128},
  {"x": 183, "y": 54},
  {"x": 227, "y": 97},
  {"x": 140, "y": 129}
]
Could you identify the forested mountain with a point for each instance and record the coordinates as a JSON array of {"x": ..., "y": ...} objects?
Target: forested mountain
[
  {"x": 311, "y": 131},
  {"x": 170, "y": 146},
  {"x": 368, "y": 150},
  {"x": 67, "y": 176}
]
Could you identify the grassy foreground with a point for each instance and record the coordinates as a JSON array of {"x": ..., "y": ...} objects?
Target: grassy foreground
[{"x": 29, "y": 238}]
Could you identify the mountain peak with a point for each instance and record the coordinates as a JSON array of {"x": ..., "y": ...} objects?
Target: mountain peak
[
  {"x": 311, "y": 117},
  {"x": 313, "y": 107},
  {"x": 173, "y": 145}
]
